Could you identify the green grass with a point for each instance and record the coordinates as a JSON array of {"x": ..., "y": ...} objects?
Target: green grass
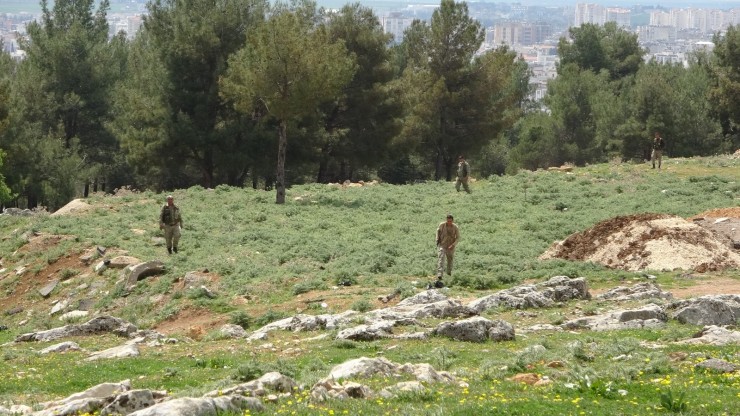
[{"x": 271, "y": 261}]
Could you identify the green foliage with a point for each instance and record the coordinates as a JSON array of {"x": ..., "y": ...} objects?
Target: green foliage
[
  {"x": 725, "y": 70},
  {"x": 240, "y": 318},
  {"x": 268, "y": 317},
  {"x": 673, "y": 403},
  {"x": 289, "y": 67},
  {"x": 458, "y": 102},
  {"x": 362, "y": 305},
  {"x": 596, "y": 48}
]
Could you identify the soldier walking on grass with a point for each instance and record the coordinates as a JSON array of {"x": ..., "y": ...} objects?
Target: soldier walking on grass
[
  {"x": 448, "y": 236},
  {"x": 658, "y": 146},
  {"x": 463, "y": 174},
  {"x": 170, "y": 221}
]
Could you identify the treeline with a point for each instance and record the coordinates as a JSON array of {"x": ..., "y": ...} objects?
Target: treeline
[{"x": 248, "y": 93}]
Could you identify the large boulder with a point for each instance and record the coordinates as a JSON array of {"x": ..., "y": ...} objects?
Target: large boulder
[
  {"x": 476, "y": 329},
  {"x": 134, "y": 273},
  {"x": 714, "y": 335},
  {"x": 377, "y": 330},
  {"x": 129, "y": 402},
  {"x": 122, "y": 351},
  {"x": 362, "y": 367},
  {"x": 708, "y": 310}
]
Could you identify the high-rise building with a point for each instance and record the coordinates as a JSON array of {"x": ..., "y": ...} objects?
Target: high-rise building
[
  {"x": 589, "y": 13},
  {"x": 395, "y": 24}
]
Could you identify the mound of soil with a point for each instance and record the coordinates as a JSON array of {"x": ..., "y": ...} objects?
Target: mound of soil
[
  {"x": 648, "y": 242},
  {"x": 75, "y": 206}
]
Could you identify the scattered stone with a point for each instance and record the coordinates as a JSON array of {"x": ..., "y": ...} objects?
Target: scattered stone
[
  {"x": 101, "y": 266},
  {"x": 714, "y": 335},
  {"x": 123, "y": 351},
  {"x": 715, "y": 364},
  {"x": 48, "y": 288},
  {"x": 121, "y": 262},
  {"x": 61, "y": 347},
  {"x": 427, "y": 296},
  {"x": 72, "y": 315},
  {"x": 58, "y": 307},
  {"x": 644, "y": 290},
  {"x": 133, "y": 274},
  {"x": 14, "y": 310},
  {"x": 232, "y": 331}
]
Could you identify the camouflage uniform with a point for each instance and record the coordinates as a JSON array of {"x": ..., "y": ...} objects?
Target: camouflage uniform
[
  {"x": 170, "y": 221},
  {"x": 463, "y": 173},
  {"x": 657, "y": 154},
  {"x": 448, "y": 236}
]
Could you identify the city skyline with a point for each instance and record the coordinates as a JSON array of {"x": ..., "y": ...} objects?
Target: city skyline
[{"x": 117, "y": 6}]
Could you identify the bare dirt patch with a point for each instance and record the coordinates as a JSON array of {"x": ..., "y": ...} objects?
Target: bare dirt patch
[
  {"x": 193, "y": 322},
  {"x": 21, "y": 289},
  {"x": 648, "y": 242}
]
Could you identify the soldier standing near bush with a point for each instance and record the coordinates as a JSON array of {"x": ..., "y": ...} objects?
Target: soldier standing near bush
[
  {"x": 170, "y": 221},
  {"x": 658, "y": 146},
  {"x": 463, "y": 173},
  {"x": 448, "y": 235}
]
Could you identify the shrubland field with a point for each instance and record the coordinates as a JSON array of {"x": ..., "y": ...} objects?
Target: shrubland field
[{"x": 332, "y": 248}]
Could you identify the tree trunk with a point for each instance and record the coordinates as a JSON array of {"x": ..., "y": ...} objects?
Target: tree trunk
[
  {"x": 207, "y": 169},
  {"x": 438, "y": 167},
  {"x": 323, "y": 167},
  {"x": 280, "y": 174}
]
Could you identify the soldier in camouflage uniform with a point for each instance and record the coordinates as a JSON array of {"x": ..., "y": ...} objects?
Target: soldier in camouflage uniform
[
  {"x": 170, "y": 221},
  {"x": 448, "y": 235},
  {"x": 463, "y": 174}
]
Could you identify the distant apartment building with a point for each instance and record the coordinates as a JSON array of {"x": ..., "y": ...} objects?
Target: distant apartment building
[
  {"x": 395, "y": 24},
  {"x": 703, "y": 20},
  {"x": 656, "y": 33},
  {"x": 518, "y": 33},
  {"x": 620, "y": 16},
  {"x": 598, "y": 15},
  {"x": 134, "y": 24},
  {"x": 589, "y": 13}
]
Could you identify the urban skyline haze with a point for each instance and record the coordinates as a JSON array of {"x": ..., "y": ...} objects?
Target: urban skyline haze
[{"x": 132, "y": 6}]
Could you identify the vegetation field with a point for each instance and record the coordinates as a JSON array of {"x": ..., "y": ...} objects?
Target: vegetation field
[{"x": 331, "y": 248}]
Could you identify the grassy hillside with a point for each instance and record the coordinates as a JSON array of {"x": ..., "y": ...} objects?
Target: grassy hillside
[{"x": 266, "y": 261}]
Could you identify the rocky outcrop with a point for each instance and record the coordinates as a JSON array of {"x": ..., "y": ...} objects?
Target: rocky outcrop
[
  {"x": 98, "y": 325},
  {"x": 204, "y": 406},
  {"x": 649, "y": 316},
  {"x": 714, "y": 335},
  {"x": 476, "y": 329},
  {"x": 542, "y": 295},
  {"x": 273, "y": 381},
  {"x": 645, "y": 290},
  {"x": 708, "y": 310}
]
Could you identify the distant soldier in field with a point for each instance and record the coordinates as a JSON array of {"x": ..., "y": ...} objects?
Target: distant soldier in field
[
  {"x": 658, "y": 146},
  {"x": 448, "y": 235},
  {"x": 170, "y": 221},
  {"x": 463, "y": 174}
]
